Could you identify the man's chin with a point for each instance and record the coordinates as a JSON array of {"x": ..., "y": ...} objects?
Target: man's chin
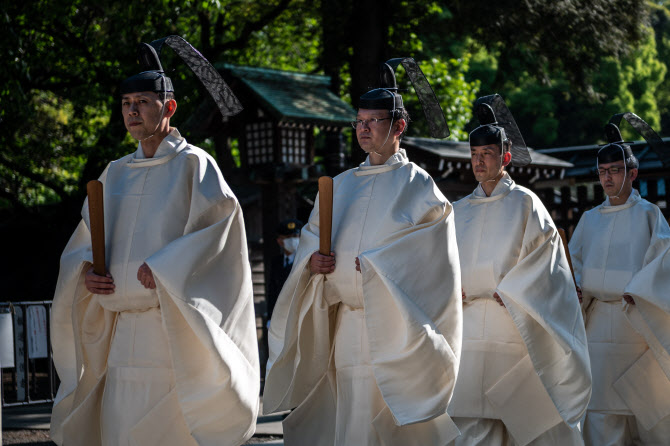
[{"x": 137, "y": 134}]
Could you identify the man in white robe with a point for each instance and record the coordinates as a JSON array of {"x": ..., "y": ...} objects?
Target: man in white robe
[
  {"x": 621, "y": 255},
  {"x": 365, "y": 342},
  {"x": 524, "y": 376},
  {"x": 162, "y": 350}
]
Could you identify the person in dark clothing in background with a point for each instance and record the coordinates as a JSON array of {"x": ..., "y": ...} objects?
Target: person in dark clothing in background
[{"x": 288, "y": 235}]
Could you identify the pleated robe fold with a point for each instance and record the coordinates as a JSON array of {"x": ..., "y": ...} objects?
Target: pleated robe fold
[
  {"x": 395, "y": 220},
  {"x": 176, "y": 213}
]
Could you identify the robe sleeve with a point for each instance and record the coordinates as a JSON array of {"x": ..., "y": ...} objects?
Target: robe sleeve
[
  {"x": 413, "y": 313},
  {"x": 540, "y": 296},
  {"x": 203, "y": 281},
  {"x": 650, "y": 288},
  {"x": 301, "y": 332},
  {"x": 81, "y": 332}
]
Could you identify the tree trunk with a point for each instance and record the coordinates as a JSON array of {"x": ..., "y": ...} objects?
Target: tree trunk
[{"x": 370, "y": 38}]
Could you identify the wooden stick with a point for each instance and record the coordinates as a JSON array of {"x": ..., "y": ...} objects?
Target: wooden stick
[
  {"x": 96, "y": 212},
  {"x": 564, "y": 239},
  {"x": 325, "y": 214}
]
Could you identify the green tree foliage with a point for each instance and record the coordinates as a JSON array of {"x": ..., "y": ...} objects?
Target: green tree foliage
[
  {"x": 556, "y": 114},
  {"x": 414, "y": 35},
  {"x": 660, "y": 21},
  {"x": 544, "y": 57},
  {"x": 563, "y": 66},
  {"x": 454, "y": 93},
  {"x": 549, "y": 37},
  {"x": 61, "y": 62}
]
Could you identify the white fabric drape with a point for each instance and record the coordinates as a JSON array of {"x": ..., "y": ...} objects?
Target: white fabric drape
[
  {"x": 176, "y": 213},
  {"x": 395, "y": 220},
  {"x": 526, "y": 363},
  {"x": 619, "y": 250}
]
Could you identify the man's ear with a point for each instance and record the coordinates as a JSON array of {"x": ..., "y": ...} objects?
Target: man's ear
[
  {"x": 400, "y": 127},
  {"x": 633, "y": 174},
  {"x": 507, "y": 158},
  {"x": 170, "y": 108}
]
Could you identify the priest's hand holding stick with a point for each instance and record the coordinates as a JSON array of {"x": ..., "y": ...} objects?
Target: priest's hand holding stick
[
  {"x": 97, "y": 280},
  {"x": 323, "y": 261}
]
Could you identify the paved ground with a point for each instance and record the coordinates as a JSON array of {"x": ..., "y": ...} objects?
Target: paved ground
[{"x": 29, "y": 426}]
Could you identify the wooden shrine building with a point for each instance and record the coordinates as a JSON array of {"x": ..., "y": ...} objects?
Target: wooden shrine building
[
  {"x": 448, "y": 162},
  {"x": 579, "y": 189}
]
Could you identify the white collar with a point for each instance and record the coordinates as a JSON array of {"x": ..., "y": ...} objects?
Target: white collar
[
  {"x": 170, "y": 147},
  {"x": 631, "y": 201},
  {"x": 503, "y": 187},
  {"x": 395, "y": 161},
  {"x": 167, "y": 147}
]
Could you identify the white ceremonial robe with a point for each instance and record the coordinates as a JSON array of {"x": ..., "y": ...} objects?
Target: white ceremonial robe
[
  {"x": 526, "y": 363},
  {"x": 177, "y": 365},
  {"x": 371, "y": 357},
  {"x": 619, "y": 250}
]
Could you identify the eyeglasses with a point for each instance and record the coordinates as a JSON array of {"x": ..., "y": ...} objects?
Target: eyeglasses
[
  {"x": 359, "y": 122},
  {"x": 611, "y": 170}
]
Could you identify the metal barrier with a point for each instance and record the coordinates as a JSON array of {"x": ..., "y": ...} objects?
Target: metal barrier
[{"x": 26, "y": 365}]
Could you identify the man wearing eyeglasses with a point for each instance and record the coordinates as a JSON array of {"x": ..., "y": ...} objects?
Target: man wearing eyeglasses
[
  {"x": 621, "y": 257},
  {"x": 365, "y": 341}
]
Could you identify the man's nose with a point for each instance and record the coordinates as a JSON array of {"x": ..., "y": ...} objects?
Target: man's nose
[{"x": 132, "y": 109}]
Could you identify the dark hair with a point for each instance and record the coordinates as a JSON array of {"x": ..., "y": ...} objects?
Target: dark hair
[
  {"x": 401, "y": 113},
  {"x": 165, "y": 96},
  {"x": 617, "y": 151},
  {"x": 632, "y": 162},
  {"x": 506, "y": 146}
]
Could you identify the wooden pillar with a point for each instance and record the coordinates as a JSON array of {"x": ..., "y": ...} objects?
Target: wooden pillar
[
  {"x": 224, "y": 157},
  {"x": 652, "y": 190},
  {"x": 547, "y": 197},
  {"x": 279, "y": 203},
  {"x": 334, "y": 159},
  {"x": 566, "y": 204},
  {"x": 583, "y": 205},
  {"x": 369, "y": 37}
]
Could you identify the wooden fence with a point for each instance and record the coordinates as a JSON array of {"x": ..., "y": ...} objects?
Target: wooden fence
[{"x": 567, "y": 204}]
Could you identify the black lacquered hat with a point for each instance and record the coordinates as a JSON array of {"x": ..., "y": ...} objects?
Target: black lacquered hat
[
  {"x": 617, "y": 149},
  {"x": 152, "y": 76},
  {"x": 386, "y": 97},
  {"x": 496, "y": 126}
]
